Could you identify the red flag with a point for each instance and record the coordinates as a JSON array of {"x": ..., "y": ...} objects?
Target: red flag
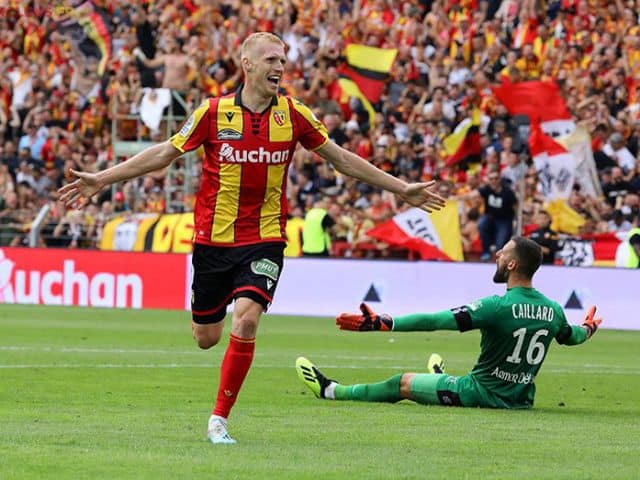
[
  {"x": 390, "y": 233},
  {"x": 414, "y": 230},
  {"x": 539, "y": 143},
  {"x": 540, "y": 101}
]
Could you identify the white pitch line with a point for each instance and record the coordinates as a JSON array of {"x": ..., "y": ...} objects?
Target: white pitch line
[
  {"x": 18, "y": 348},
  {"x": 405, "y": 368},
  {"x": 371, "y": 360},
  {"x": 195, "y": 351}
]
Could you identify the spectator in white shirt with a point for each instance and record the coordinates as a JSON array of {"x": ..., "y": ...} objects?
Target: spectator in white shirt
[
  {"x": 616, "y": 150},
  {"x": 618, "y": 223},
  {"x": 459, "y": 73}
]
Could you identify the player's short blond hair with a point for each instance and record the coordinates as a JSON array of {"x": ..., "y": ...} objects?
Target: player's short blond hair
[{"x": 255, "y": 38}]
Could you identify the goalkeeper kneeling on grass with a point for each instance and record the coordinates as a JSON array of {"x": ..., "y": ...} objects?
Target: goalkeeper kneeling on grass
[{"x": 517, "y": 329}]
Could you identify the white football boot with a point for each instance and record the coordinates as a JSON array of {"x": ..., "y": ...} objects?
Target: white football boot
[{"x": 217, "y": 431}]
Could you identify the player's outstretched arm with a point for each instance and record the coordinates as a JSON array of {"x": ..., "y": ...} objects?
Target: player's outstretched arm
[
  {"x": 88, "y": 184},
  {"x": 367, "y": 321},
  {"x": 575, "y": 335},
  {"x": 348, "y": 163}
]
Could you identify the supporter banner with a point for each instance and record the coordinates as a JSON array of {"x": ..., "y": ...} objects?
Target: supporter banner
[
  {"x": 540, "y": 101},
  {"x": 149, "y": 233},
  {"x": 555, "y": 165},
  {"x": 576, "y": 253},
  {"x": 368, "y": 67},
  {"x": 579, "y": 144},
  {"x": 91, "y": 278},
  {"x": 309, "y": 287},
  {"x": 434, "y": 236}
]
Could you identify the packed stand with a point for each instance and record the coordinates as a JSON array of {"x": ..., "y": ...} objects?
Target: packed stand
[{"x": 59, "y": 111}]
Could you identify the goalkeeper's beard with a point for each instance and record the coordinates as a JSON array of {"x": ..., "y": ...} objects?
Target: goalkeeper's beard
[{"x": 501, "y": 275}]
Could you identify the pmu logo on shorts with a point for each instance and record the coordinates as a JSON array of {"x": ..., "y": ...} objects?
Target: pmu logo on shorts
[
  {"x": 232, "y": 155},
  {"x": 279, "y": 117},
  {"x": 265, "y": 267}
]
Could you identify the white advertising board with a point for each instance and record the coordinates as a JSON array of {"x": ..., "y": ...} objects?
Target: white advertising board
[{"x": 326, "y": 287}]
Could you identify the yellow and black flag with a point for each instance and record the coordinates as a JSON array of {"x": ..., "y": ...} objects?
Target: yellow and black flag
[
  {"x": 464, "y": 142},
  {"x": 368, "y": 68},
  {"x": 89, "y": 29}
]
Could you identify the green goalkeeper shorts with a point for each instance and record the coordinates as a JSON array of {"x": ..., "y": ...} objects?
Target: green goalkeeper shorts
[{"x": 442, "y": 389}]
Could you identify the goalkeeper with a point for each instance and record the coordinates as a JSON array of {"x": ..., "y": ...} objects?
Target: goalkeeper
[{"x": 517, "y": 329}]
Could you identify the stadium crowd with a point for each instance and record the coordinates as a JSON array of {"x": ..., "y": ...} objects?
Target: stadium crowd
[{"x": 57, "y": 109}]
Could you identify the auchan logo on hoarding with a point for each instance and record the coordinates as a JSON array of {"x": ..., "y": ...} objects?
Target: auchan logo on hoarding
[{"x": 89, "y": 278}]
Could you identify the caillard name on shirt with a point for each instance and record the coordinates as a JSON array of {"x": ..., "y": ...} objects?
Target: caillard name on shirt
[
  {"x": 532, "y": 312},
  {"x": 232, "y": 155}
]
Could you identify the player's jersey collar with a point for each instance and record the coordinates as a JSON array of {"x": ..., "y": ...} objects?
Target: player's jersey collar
[{"x": 238, "y": 99}]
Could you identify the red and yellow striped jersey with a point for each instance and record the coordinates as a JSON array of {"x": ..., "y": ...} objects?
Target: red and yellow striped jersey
[{"x": 242, "y": 198}]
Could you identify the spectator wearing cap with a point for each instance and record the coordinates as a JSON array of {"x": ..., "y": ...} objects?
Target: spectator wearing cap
[{"x": 119, "y": 204}]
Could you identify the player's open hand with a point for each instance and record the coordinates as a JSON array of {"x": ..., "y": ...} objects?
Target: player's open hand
[
  {"x": 420, "y": 195},
  {"x": 590, "y": 323},
  {"x": 80, "y": 191},
  {"x": 366, "y": 321}
]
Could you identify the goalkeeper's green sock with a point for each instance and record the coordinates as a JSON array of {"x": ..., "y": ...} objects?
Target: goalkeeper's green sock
[{"x": 387, "y": 391}]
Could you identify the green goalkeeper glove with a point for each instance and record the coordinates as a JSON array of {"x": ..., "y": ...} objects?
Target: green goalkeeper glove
[
  {"x": 591, "y": 324},
  {"x": 365, "y": 322}
]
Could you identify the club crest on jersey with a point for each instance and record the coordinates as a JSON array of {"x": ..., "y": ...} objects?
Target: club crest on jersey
[
  {"x": 279, "y": 117},
  {"x": 229, "y": 134}
]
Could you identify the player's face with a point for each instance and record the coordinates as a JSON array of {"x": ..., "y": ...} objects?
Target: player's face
[
  {"x": 504, "y": 263},
  {"x": 267, "y": 68}
]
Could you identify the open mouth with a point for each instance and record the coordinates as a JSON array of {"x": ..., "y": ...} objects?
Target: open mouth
[{"x": 274, "y": 80}]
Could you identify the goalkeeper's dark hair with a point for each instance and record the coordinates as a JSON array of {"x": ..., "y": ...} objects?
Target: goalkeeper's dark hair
[{"x": 528, "y": 254}]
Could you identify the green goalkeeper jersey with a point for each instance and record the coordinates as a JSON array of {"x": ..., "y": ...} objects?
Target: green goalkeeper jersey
[{"x": 517, "y": 329}]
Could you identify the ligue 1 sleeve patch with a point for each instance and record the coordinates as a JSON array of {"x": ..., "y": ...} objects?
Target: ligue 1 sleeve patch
[
  {"x": 266, "y": 268},
  {"x": 475, "y": 305},
  {"x": 186, "y": 128}
]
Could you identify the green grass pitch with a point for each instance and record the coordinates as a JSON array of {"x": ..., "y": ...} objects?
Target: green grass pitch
[{"x": 114, "y": 394}]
